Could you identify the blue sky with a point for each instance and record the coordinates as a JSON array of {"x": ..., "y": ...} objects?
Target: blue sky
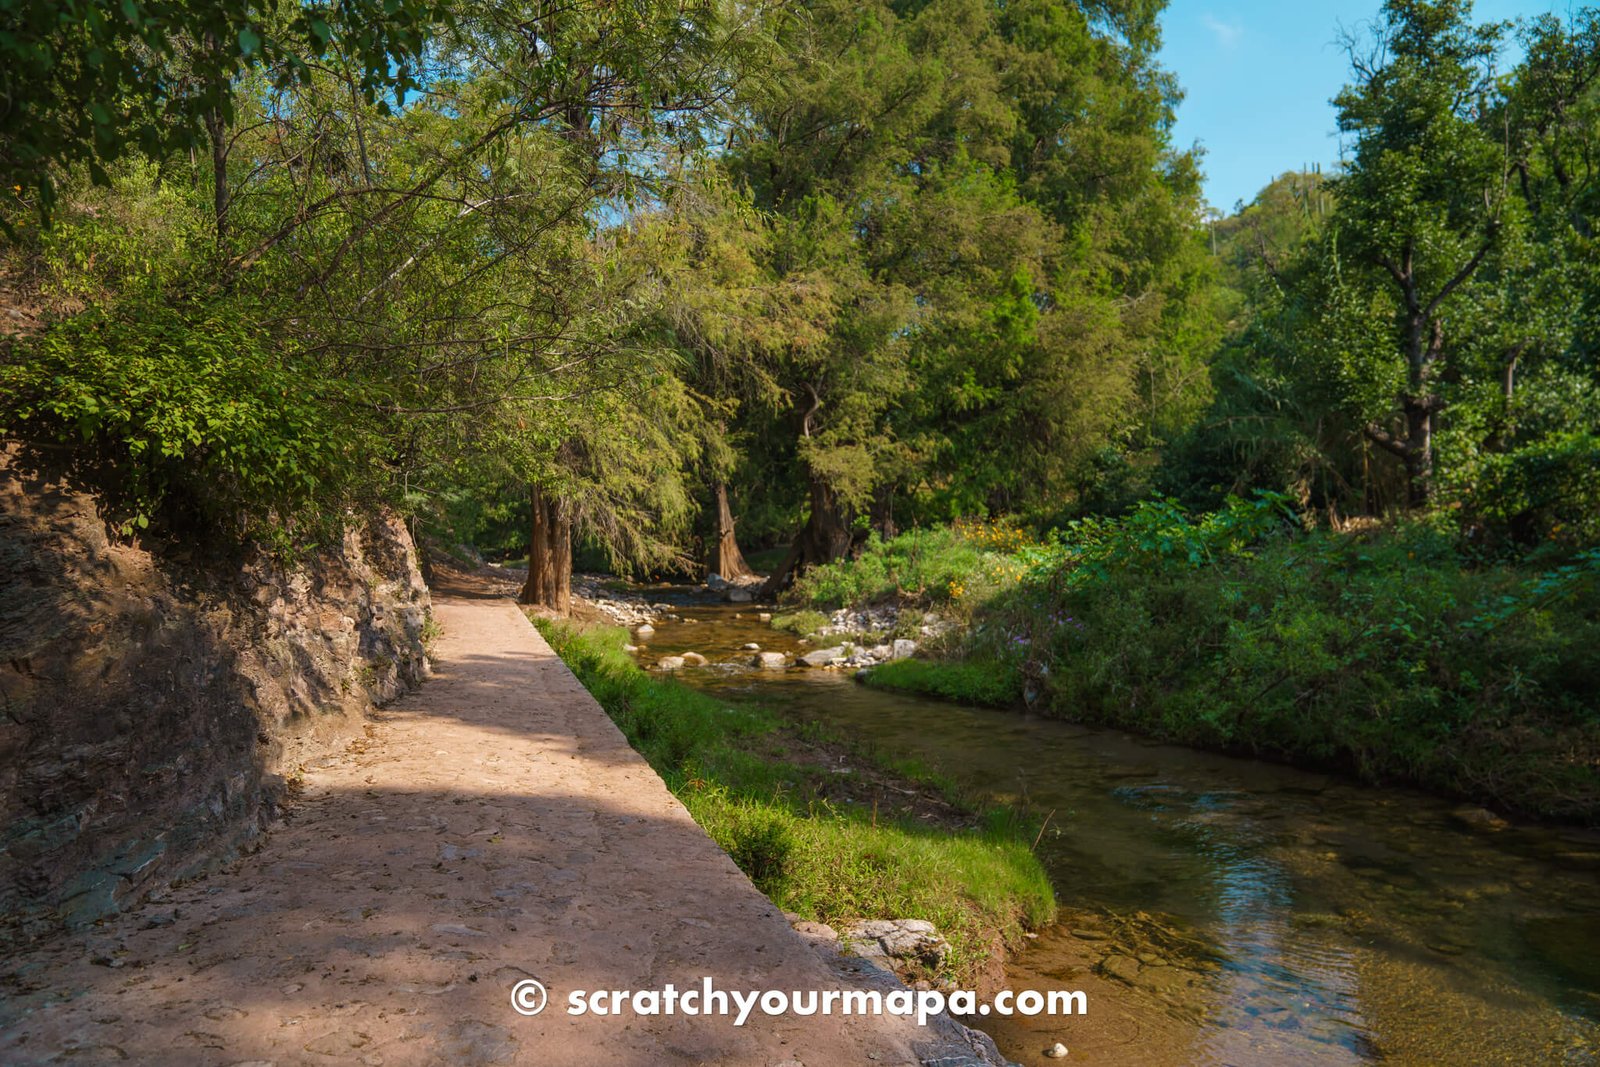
[{"x": 1258, "y": 75}]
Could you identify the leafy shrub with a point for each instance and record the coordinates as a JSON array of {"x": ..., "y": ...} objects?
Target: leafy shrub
[
  {"x": 936, "y": 567},
  {"x": 183, "y": 411},
  {"x": 1159, "y": 535},
  {"x": 1549, "y": 490},
  {"x": 761, "y": 845}
]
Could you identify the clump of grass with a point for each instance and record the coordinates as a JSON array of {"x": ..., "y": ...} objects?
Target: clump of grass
[
  {"x": 983, "y": 682},
  {"x": 800, "y": 623},
  {"x": 835, "y": 863}
]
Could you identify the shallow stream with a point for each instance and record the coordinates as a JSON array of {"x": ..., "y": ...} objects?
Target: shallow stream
[{"x": 1224, "y": 911}]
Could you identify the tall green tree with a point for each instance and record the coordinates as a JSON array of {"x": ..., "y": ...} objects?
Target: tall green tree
[
  {"x": 1011, "y": 246},
  {"x": 1424, "y": 201}
]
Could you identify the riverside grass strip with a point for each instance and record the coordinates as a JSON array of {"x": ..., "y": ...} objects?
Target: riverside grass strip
[{"x": 744, "y": 774}]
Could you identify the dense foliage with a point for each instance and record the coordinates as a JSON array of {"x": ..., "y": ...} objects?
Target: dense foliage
[
  {"x": 629, "y": 282},
  {"x": 1387, "y": 653}
]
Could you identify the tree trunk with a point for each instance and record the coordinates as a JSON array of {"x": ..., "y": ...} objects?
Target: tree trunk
[
  {"x": 560, "y": 596},
  {"x": 725, "y": 558},
  {"x": 549, "y": 583},
  {"x": 824, "y": 538},
  {"x": 883, "y": 513},
  {"x": 1419, "y": 451}
]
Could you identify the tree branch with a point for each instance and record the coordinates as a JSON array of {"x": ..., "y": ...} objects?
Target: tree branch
[{"x": 1386, "y": 440}]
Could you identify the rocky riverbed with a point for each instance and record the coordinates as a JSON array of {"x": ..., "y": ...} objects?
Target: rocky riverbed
[{"x": 849, "y": 639}]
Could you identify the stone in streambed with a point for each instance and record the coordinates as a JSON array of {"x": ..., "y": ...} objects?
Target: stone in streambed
[
  {"x": 694, "y": 659},
  {"x": 911, "y": 940},
  {"x": 751, "y": 646},
  {"x": 670, "y": 663},
  {"x": 1120, "y": 967},
  {"x": 1479, "y": 819},
  {"x": 822, "y": 657},
  {"x": 771, "y": 661}
]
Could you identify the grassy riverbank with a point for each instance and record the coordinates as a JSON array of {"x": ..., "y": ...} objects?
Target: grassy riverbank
[
  {"x": 1392, "y": 653},
  {"x": 815, "y": 841}
]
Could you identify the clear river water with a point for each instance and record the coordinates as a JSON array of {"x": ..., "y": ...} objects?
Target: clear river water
[{"x": 1226, "y": 911}]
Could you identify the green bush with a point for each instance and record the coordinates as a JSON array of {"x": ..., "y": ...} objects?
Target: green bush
[
  {"x": 1546, "y": 491},
  {"x": 183, "y": 412},
  {"x": 926, "y": 566}
]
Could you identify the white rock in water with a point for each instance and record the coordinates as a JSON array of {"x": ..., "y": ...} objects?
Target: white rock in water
[
  {"x": 670, "y": 663},
  {"x": 765, "y": 616},
  {"x": 751, "y": 646},
  {"x": 772, "y": 661},
  {"x": 630, "y": 648},
  {"x": 694, "y": 659},
  {"x": 644, "y": 630},
  {"x": 1057, "y": 1051},
  {"x": 822, "y": 656},
  {"x": 740, "y": 596}
]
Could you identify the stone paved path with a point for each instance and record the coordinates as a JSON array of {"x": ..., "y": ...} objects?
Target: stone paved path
[{"x": 491, "y": 828}]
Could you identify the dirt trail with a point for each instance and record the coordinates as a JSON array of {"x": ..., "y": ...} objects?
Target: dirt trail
[{"x": 491, "y": 828}]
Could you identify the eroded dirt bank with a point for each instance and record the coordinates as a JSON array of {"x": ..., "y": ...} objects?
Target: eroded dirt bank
[{"x": 153, "y": 701}]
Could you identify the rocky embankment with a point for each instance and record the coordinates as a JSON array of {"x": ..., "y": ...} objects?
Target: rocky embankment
[
  {"x": 156, "y": 704},
  {"x": 848, "y": 640}
]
